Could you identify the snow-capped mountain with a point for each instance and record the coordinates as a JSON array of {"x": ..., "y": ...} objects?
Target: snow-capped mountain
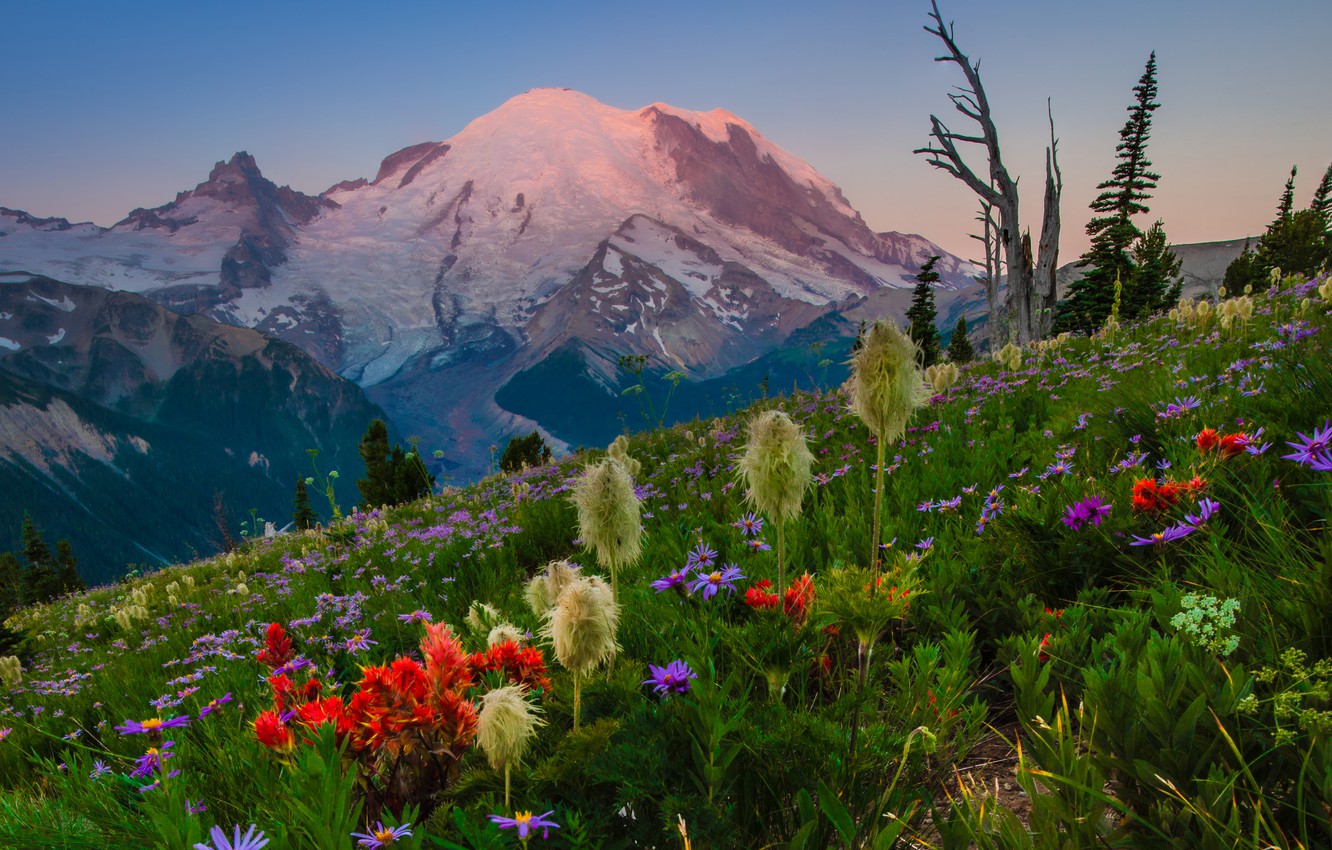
[{"x": 552, "y": 222}]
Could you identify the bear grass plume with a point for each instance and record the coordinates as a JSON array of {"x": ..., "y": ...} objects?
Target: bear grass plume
[
  {"x": 886, "y": 387},
  {"x": 776, "y": 470},
  {"x": 608, "y": 514},
  {"x": 506, "y": 724}
]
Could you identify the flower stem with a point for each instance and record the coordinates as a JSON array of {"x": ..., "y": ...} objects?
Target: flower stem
[
  {"x": 781, "y": 556},
  {"x": 878, "y": 504},
  {"x": 578, "y": 684},
  {"x": 506, "y": 786}
]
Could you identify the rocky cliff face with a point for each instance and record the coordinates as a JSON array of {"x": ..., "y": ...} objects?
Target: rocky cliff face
[
  {"x": 552, "y": 221},
  {"x": 121, "y": 420}
]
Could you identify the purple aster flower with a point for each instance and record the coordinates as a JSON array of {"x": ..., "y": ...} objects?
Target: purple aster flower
[
  {"x": 214, "y": 705},
  {"x": 1160, "y": 538},
  {"x": 252, "y": 840},
  {"x": 192, "y": 808},
  {"x": 1097, "y": 509},
  {"x": 749, "y": 524},
  {"x": 99, "y": 769},
  {"x": 1311, "y": 450},
  {"x": 671, "y": 679},
  {"x": 701, "y": 556},
  {"x": 1075, "y": 515},
  {"x": 382, "y": 836},
  {"x": 926, "y": 544},
  {"x": 151, "y": 761},
  {"x": 4, "y": 733},
  {"x": 711, "y": 582},
  {"x": 420, "y": 615},
  {"x": 757, "y": 545},
  {"x": 1207, "y": 509},
  {"x": 675, "y": 580},
  {"x": 152, "y": 726},
  {"x": 526, "y": 822}
]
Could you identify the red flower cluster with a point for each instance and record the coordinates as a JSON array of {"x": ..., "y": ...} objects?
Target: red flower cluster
[
  {"x": 1230, "y": 445},
  {"x": 277, "y": 649},
  {"x": 799, "y": 598},
  {"x": 1151, "y": 496},
  {"x": 521, "y": 665},
  {"x": 759, "y": 597},
  {"x": 398, "y": 708}
]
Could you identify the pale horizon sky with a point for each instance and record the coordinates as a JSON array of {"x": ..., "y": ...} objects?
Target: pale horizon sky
[{"x": 109, "y": 107}]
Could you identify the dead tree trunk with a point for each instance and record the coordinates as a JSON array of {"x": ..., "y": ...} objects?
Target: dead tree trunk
[
  {"x": 1047, "y": 292},
  {"x": 996, "y": 325},
  {"x": 1000, "y": 191}
]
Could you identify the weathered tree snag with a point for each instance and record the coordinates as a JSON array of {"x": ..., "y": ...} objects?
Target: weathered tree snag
[
  {"x": 1000, "y": 192},
  {"x": 996, "y": 326},
  {"x": 1047, "y": 292}
]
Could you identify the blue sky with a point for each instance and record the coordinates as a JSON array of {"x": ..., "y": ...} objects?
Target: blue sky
[{"x": 108, "y": 107}]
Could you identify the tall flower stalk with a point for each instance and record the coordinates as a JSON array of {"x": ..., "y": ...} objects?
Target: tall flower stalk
[
  {"x": 886, "y": 385},
  {"x": 609, "y": 512},
  {"x": 582, "y": 628},
  {"x": 776, "y": 469}
]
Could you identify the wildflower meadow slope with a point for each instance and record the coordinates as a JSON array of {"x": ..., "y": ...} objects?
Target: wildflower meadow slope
[{"x": 1111, "y": 551}]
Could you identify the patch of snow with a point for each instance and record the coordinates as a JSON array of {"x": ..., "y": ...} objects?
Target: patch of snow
[
  {"x": 65, "y": 305},
  {"x": 6, "y": 342},
  {"x": 6, "y": 315},
  {"x": 56, "y": 337}
]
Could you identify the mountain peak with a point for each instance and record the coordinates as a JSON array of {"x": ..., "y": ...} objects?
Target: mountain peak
[{"x": 242, "y": 163}]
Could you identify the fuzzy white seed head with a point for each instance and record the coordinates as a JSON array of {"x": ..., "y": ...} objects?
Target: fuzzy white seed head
[
  {"x": 481, "y": 616},
  {"x": 608, "y": 513},
  {"x": 505, "y": 725},
  {"x": 582, "y": 624},
  {"x": 776, "y": 465},
  {"x": 11, "y": 672},
  {"x": 886, "y": 383},
  {"x": 504, "y": 633}
]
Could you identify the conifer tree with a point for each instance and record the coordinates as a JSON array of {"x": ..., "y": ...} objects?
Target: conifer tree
[
  {"x": 67, "y": 568},
  {"x": 1322, "y": 199},
  {"x": 1156, "y": 281},
  {"x": 40, "y": 581},
  {"x": 959, "y": 347},
  {"x": 922, "y": 314},
  {"x": 1112, "y": 231},
  {"x": 302, "y": 515},
  {"x": 392, "y": 476},
  {"x": 11, "y": 584},
  {"x": 525, "y": 451}
]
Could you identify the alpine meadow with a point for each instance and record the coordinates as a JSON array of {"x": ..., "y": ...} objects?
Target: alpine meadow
[{"x": 599, "y": 478}]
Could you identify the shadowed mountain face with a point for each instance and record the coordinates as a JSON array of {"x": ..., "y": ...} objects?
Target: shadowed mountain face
[
  {"x": 553, "y": 223},
  {"x": 122, "y": 424}
]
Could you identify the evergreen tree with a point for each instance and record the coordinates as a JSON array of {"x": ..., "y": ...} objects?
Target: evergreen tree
[
  {"x": 67, "y": 568},
  {"x": 1156, "y": 280},
  {"x": 302, "y": 516},
  {"x": 922, "y": 314},
  {"x": 959, "y": 347},
  {"x": 40, "y": 580},
  {"x": 1322, "y": 199},
  {"x": 1112, "y": 231},
  {"x": 11, "y": 584},
  {"x": 525, "y": 451},
  {"x": 1297, "y": 242},
  {"x": 392, "y": 476}
]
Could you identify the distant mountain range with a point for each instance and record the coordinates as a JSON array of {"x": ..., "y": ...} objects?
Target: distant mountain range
[
  {"x": 132, "y": 430},
  {"x": 554, "y": 226}
]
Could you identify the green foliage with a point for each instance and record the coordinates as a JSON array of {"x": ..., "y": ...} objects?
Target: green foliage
[
  {"x": 1299, "y": 242},
  {"x": 959, "y": 347},
  {"x": 302, "y": 515},
  {"x": 392, "y": 476},
  {"x": 922, "y": 313},
  {"x": 525, "y": 451}
]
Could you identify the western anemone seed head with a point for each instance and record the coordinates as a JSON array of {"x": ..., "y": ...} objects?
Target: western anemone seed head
[
  {"x": 503, "y": 633},
  {"x": 11, "y": 671},
  {"x": 1326, "y": 290},
  {"x": 776, "y": 465},
  {"x": 582, "y": 624},
  {"x": 1204, "y": 310},
  {"x": 242, "y": 589},
  {"x": 1305, "y": 303},
  {"x": 1011, "y": 356},
  {"x": 608, "y": 513},
  {"x": 886, "y": 382},
  {"x": 1244, "y": 309},
  {"x": 545, "y": 587},
  {"x": 172, "y": 588},
  {"x": 941, "y": 376},
  {"x": 122, "y": 618},
  {"x": 505, "y": 725},
  {"x": 189, "y": 581},
  {"x": 481, "y": 615},
  {"x": 619, "y": 450}
]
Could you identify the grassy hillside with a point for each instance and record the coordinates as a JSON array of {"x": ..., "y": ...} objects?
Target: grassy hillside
[{"x": 1077, "y": 564}]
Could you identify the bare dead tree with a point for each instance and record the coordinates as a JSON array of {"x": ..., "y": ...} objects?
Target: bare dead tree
[
  {"x": 989, "y": 239},
  {"x": 1025, "y": 299}
]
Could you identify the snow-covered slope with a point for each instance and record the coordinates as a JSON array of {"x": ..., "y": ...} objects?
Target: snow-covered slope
[{"x": 554, "y": 219}]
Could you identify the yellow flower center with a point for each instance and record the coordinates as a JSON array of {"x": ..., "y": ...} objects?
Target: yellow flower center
[
  {"x": 522, "y": 817},
  {"x": 151, "y": 725},
  {"x": 385, "y": 836},
  {"x": 715, "y": 578},
  {"x": 152, "y": 751}
]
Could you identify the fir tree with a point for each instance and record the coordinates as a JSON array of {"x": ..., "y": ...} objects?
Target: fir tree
[
  {"x": 525, "y": 451},
  {"x": 302, "y": 516},
  {"x": 1297, "y": 241},
  {"x": 959, "y": 347},
  {"x": 1112, "y": 231},
  {"x": 11, "y": 584},
  {"x": 1156, "y": 281},
  {"x": 922, "y": 314},
  {"x": 392, "y": 476},
  {"x": 40, "y": 580},
  {"x": 67, "y": 568}
]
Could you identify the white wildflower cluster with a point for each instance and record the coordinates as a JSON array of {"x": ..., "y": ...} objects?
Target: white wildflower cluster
[{"x": 1204, "y": 619}]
